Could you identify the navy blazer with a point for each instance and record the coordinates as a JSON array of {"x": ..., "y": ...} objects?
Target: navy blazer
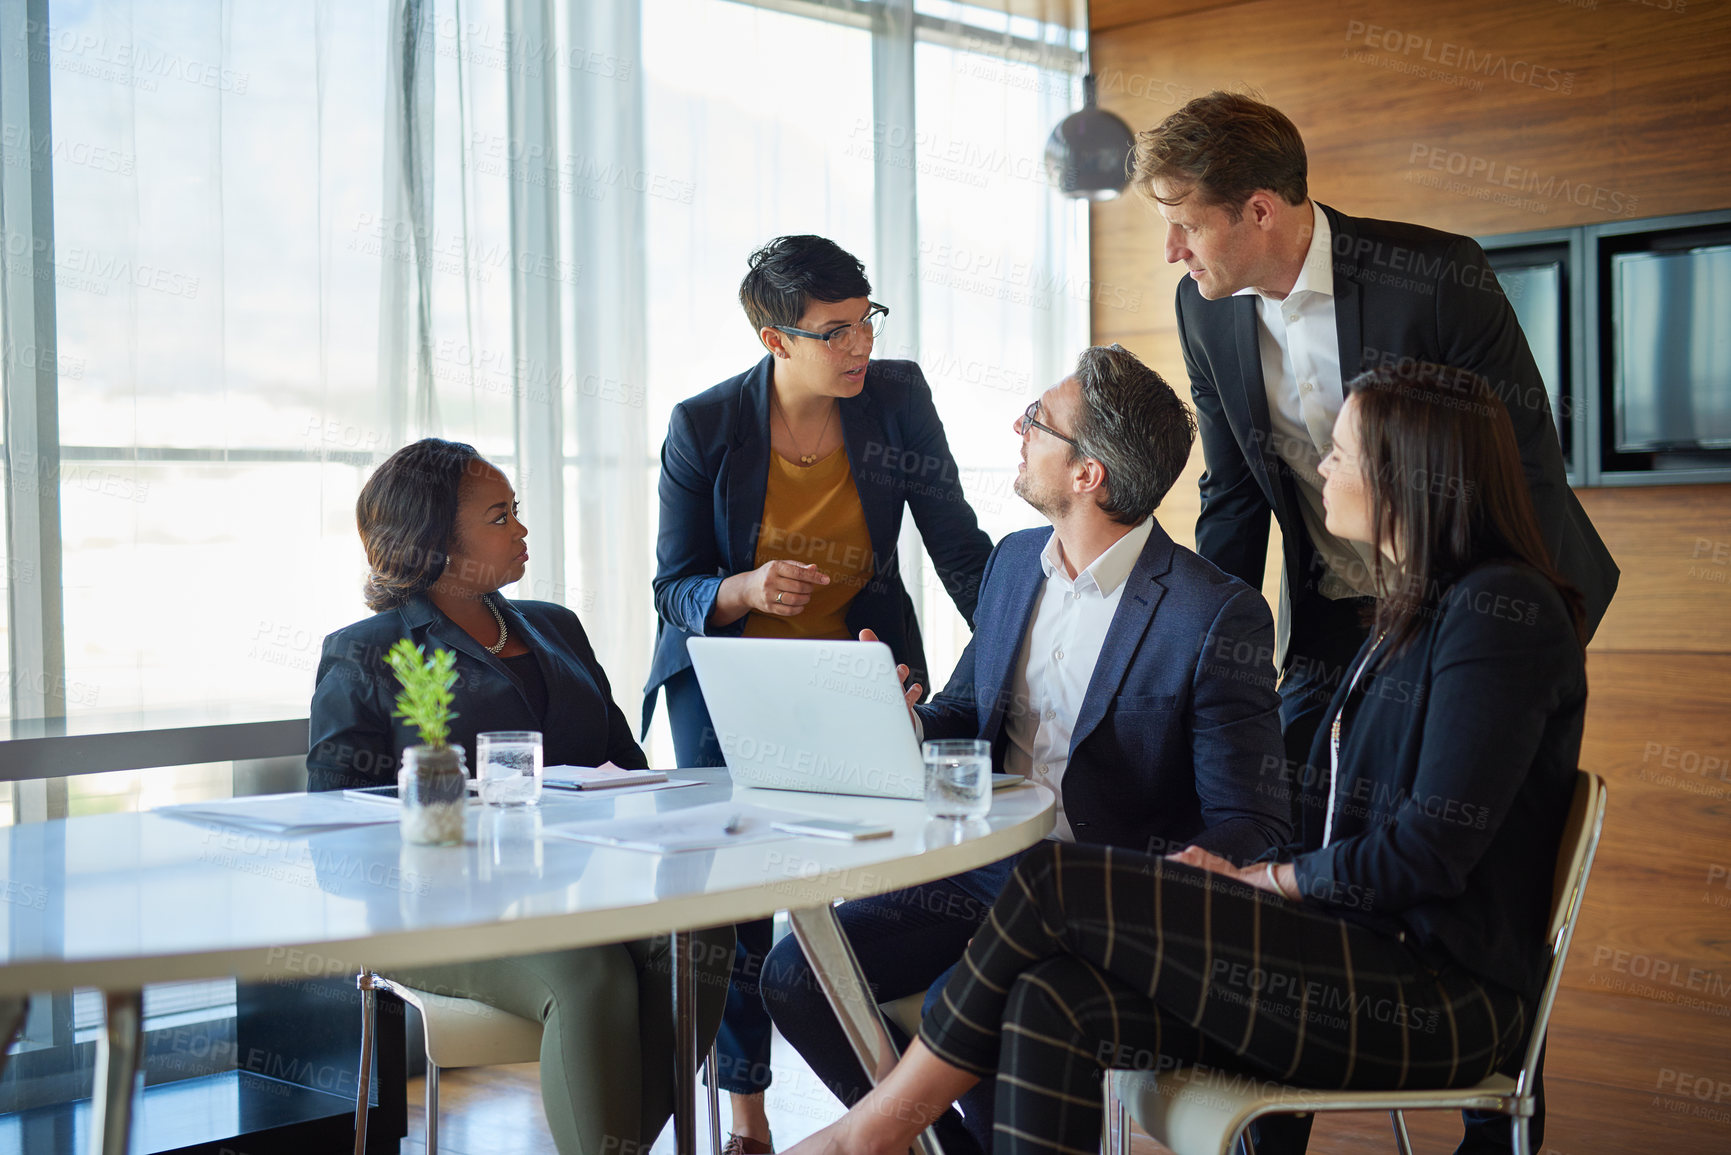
[
  {"x": 1457, "y": 766},
  {"x": 1180, "y": 722},
  {"x": 356, "y": 742},
  {"x": 715, "y": 471},
  {"x": 1400, "y": 292}
]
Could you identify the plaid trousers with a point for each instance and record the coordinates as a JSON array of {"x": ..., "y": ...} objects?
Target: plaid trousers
[{"x": 1095, "y": 958}]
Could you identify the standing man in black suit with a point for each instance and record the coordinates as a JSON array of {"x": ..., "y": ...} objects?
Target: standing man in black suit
[{"x": 1285, "y": 299}]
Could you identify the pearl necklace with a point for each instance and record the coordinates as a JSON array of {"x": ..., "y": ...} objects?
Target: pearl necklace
[{"x": 500, "y": 618}]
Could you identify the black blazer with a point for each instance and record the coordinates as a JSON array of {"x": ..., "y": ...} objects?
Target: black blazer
[
  {"x": 715, "y": 470},
  {"x": 1180, "y": 720},
  {"x": 1457, "y": 766},
  {"x": 1400, "y": 291},
  {"x": 356, "y": 742}
]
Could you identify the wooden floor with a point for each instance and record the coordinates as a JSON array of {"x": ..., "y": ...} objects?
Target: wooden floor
[{"x": 1612, "y": 1085}]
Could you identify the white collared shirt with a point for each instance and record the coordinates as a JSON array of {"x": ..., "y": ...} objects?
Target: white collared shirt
[
  {"x": 1059, "y": 651},
  {"x": 1301, "y": 371}
]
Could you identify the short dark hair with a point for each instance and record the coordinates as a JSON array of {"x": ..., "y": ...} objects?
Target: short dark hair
[
  {"x": 405, "y": 514},
  {"x": 1443, "y": 469},
  {"x": 1226, "y": 146},
  {"x": 789, "y": 273},
  {"x": 1131, "y": 422}
]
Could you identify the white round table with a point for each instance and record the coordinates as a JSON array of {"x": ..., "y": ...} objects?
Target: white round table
[{"x": 119, "y": 901}]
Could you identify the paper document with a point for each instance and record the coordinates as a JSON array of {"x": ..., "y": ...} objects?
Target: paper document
[
  {"x": 711, "y": 827},
  {"x": 603, "y": 777},
  {"x": 286, "y": 813}
]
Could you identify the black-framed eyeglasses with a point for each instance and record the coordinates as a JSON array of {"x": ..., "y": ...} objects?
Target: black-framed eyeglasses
[
  {"x": 870, "y": 326},
  {"x": 1028, "y": 419}
]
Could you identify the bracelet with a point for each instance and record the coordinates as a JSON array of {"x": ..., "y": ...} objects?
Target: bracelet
[{"x": 1274, "y": 881}]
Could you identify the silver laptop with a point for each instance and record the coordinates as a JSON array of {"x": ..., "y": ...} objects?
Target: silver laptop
[{"x": 821, "y": 716}]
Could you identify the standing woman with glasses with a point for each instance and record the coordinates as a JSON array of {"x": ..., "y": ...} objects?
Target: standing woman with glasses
[{"x": 782, "y": 491}]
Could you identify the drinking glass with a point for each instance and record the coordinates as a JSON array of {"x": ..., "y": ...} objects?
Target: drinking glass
[
  {"x": 958, "y": 777},
  {"x": 508, "y": 767}
]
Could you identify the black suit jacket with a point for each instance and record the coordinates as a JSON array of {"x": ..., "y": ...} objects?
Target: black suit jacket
[
  {"x": 356, "y": 742},
  {"x": 1179, "y": 728},
  {"x": 1400, "y": 291},
  {"x": 715, "y": 470},
  {"x": 1457, "y": 766}
]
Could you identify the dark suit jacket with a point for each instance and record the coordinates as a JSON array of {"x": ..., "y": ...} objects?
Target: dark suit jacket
[
  {"x": 715, "y": 469},
  {"x": 1400, "y": 291},
  {"x": 356, "y": 742},
  {"x": 1179, "y": 734},
  {"x": 1457, "y": 765}
]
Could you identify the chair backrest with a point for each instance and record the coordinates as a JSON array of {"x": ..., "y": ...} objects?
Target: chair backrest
[{"x": 1580, "y": 842}]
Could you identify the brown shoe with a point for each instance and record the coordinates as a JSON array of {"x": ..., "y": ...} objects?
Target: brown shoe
[{"x": 738, "y": 1144}]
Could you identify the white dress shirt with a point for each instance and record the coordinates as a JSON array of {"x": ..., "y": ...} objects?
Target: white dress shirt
[
  {"x": 1301, "y": 371},
  {"x": 1056, "y": 662}
]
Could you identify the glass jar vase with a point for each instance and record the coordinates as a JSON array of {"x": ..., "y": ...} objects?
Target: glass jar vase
[{"x": 433, "y": 788}]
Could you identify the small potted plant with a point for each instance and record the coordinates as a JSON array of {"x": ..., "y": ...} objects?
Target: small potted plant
[{"x": 432, "y": 783}]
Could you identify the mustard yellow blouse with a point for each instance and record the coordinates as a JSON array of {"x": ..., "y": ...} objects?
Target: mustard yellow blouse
[{"x": 812, "y": 515}]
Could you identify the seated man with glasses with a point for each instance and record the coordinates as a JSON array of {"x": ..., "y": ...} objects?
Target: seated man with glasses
[
  {"x": 1109, "y": 664},
  {"x": 782, "y": 492}
]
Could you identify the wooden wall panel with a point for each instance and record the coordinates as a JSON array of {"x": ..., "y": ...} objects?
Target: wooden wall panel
[
  {"x": 1674, "y": 546},
  {"x": 1539, "y": 115}
]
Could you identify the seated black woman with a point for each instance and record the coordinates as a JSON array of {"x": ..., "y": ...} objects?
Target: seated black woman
[
  {"x": 441, "y": 534},
  {"x": 1400, "y": 942}
]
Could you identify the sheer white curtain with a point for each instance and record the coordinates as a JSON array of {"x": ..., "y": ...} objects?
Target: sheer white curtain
[
  {"x": 276, "y": 262},
  {"x": 290, "y": 238}
]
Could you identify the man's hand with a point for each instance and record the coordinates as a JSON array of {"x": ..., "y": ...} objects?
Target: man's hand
[{"x": 911, "y": 694}]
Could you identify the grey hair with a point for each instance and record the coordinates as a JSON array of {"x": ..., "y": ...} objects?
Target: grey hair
[{"x": 1131, "y": 422}]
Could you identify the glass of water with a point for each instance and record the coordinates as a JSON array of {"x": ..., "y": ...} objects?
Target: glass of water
[
  {"x": 508, "y": 766},
  {"x": 958, "y": 777}
]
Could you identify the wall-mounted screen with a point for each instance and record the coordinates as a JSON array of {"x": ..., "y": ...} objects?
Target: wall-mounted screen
[
  {"x": 1536, "y": 292},
  {"x": 1671, "y": 349}
]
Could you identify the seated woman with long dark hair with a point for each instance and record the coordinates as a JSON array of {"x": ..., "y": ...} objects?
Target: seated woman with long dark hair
[
  {"x": 441, "y": 533},
  {"x": 1400, "y": 943}
]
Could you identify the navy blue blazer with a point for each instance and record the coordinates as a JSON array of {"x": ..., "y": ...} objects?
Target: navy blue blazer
[
  {"x": 356, "y": 742},
  {"x": 1180, "y": 723},
  {"x": 1457, "y": 766},
  {"x": 1401, "y": 292},
  {"x": 715, "y": 470}
]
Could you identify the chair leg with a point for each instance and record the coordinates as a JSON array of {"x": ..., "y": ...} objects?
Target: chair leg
[
  {"x": 1245, "y": 1145},
  {"x": 364, "y": 1078},
  {"x": 1116, "y": 1140},
  {"x": 1522, "y": 1140},
  {"x": 432, "y": 1107},
  {"x": 1112, "y": 1142},
  {"x": 11, "y": 1022},
  {"x": 713, "y": 1094},
  {"x": 1401, "y": 1138}
]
